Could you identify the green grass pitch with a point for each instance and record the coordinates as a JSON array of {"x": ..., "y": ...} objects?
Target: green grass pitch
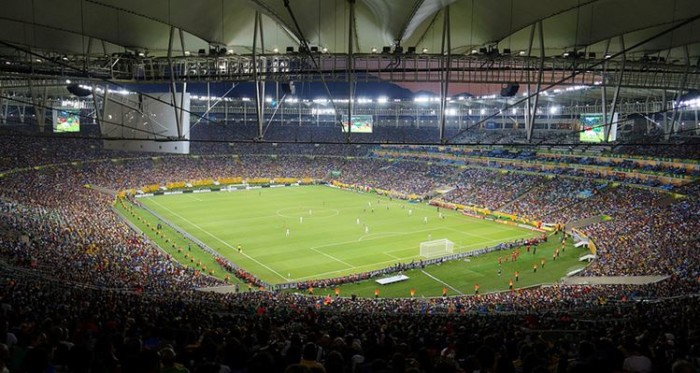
[{"x": 335, "y": 232}]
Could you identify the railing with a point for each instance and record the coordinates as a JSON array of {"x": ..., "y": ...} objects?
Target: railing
[{"x": 367, "y": 67}]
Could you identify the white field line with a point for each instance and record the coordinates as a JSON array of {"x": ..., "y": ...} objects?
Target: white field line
[
  {"x": 369, "y": 237},
  {"x": 442, "y": 282},
  {"x": 220, "y": 240},
  {"x": 303, "y": 213},
  {"x": 350, "y": 266},
  {"x": 393, "y": 256},
  {"x": 319, "y": 275}
]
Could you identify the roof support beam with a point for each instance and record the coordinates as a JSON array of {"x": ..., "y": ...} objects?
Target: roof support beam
[
  {"x": 182, "y": 42},
  {"x": 604, "y": 88},
  {"x": 3, "y": 105},
  {"x": 530, "y": 125},
  {"x": 38, "y": 100},
  {"x": 259, "y": 85},
  {"x": 173, "y": 85},
  {"x": 98, "y": 114},
  {"x": 675, "y": 122},
  {"x": 613, "y": 106},
  {"x": 105, "y": 102},
  {"x": 446, "y": 62},
  {"x": 88, "y": 52},
  {"x": 664, "y": 103},
  {"x": 528, "y": 101},
  {"x": 351, "y": 65},
  {"x": 22, "y": 112}
]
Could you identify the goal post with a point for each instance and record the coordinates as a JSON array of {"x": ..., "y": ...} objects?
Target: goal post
[{"x": 435, "y": 248}]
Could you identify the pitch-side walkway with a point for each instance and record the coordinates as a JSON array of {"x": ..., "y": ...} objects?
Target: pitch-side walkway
[
  {"x": 573, "y": 280},
  {"x": 226, "y": 289},
  {"x": 585, "y": 222},
  {"x": 100, "y": 189},
  {"x": 612, "y": 280}
]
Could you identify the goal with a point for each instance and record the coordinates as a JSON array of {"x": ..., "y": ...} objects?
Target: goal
[{"x": 435, "y": 248}]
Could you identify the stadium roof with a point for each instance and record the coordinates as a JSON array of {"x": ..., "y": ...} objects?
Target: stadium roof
[{"x": 593, "y": 26}]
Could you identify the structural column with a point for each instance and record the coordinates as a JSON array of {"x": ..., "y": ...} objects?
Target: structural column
[
  {"x": 613, "y": 106},
  {"x": 173, "y": 85},
  {"x": 446, "y": 62},
  {"x": 259, "y": 87},
  {"x": 530, "y": 125},
  {"x": 351, "y": 65}
]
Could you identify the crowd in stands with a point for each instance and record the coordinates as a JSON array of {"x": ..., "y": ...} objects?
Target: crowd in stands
[
  {"x": 404, "y": 177},
  {"x": 679, "y": 149},
  {"x": 550, "y": 196},
  {"x": 490, "y": 189},
  {"x": 50, "y": 326},
  {"x": 82, "y": 292},
  {"x": 648, "y": 236}
]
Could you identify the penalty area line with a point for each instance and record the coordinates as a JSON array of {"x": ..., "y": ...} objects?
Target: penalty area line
[
  {"x": 350, "y": 266},
  {"x": 442, "y": 282}
]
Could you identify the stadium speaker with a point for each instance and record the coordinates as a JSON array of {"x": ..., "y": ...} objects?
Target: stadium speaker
[
  {"x": 510, "y": 90},
  {"x": 79, "y": 91}
]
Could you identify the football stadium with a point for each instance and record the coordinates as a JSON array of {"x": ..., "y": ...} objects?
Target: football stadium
[{"x": 350, "y": 186}]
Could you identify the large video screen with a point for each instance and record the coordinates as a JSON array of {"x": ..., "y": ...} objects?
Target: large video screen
[
  {"x": 360, "y": 124},
  {"x": 66, "y": 120},
  {"x": 593, "y": 128}
]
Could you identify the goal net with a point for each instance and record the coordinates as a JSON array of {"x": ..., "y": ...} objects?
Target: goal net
[{"x": 435, "y": 248}]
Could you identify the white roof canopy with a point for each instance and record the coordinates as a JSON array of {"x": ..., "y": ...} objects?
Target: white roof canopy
[{"x": 107, "y": 26}]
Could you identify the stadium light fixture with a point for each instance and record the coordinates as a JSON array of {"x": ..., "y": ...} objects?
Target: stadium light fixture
[
  {"x": 324, "y": 50},
  {"x": 374, "y": 49},
  {"x": 425, "y": 50},
  {"x": 382, "y": 100},
  {"x": 554, "y": 110}
]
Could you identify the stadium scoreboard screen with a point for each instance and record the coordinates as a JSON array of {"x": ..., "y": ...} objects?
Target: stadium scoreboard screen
[
  {"x": 593, "y": 128},
  {"x": 360, "y": 124},
  {"x": 66, "y": 120}
]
